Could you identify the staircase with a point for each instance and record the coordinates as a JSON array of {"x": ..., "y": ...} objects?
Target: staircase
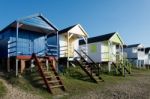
[
  {"x": 118, "y": 68},
  {"x": 49, "y": 75},
  {"x": 122, "y": 67},
  {"x": 91, "y": 69},
  {"x": 127, "y": 66}
]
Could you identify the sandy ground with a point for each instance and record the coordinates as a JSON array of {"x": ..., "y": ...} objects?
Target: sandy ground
[
  {"x": 137, "y": 88},
  {"x": 16, "y": 93}
]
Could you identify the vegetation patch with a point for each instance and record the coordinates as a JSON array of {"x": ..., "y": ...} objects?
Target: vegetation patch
[{"x": 3, "y": 89}]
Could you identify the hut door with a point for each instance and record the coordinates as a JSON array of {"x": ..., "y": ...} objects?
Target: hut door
[
  {"x": 114, "y": 53},
  {"x": 104, "y": 52},
  {"x": 71, "y": 47}
]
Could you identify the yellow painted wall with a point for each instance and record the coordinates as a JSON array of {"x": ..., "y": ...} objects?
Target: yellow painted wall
[
  {"x": 116, "y": 39},
  {"x": 105, "y": 51},
  {"x": 71, "y": 44}
]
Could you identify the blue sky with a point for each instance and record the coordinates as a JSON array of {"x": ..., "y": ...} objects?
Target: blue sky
[{"x": 131, "y": 18}]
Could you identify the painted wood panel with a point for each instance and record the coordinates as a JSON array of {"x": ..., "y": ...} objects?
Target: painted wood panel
[
  {"x": 37, "y": 21},
  {"x": 28, "y": 42},
  {"x": 115, "y": 38},
  {"x": 78, "y": 30},
  {"x": 104, "y": 51},
  {"x": 94, "y": 51},
  {"x": 73, "y": 44}
]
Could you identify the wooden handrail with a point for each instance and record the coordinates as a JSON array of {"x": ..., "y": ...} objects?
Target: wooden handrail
[
  {"x": 51, "y": 60},
  {"x": 87, "y": 62},
  {"x": 45, "y": 77},
  {"x": 41, "y": 72},
  {"x": 86, "y": 71},
  {"x": 96, "y": 66}
]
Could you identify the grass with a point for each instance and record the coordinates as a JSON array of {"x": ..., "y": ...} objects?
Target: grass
[
  {"x": 75, "y": 80},
  {"x": 3, "y": 89}
]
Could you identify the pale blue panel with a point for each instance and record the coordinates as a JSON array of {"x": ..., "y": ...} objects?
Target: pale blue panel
[{"x": 37, "y": 21}]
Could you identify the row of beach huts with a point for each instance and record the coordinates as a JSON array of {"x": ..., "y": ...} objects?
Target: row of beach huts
[{"x": 34, "y": 41}]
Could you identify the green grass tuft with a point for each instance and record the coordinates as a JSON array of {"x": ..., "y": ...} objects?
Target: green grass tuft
[{"x": 3, "y": 89}]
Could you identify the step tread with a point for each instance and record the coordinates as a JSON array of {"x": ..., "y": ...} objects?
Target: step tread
[
  {"x": 51, "y": 76},
  {"x": 53, "y": 81},
  {"x": 56, "y": 86}
]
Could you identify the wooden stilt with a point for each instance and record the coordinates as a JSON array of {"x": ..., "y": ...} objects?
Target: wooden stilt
[
  {"x": 16, "y": 67},
  {"x": 47, "y": 67},
  {"x": 67, "y": 63},
  {"x": 8, "y": 64},
  {"x": 109, "y": 66},
  {"x": 22, "y": 66}
]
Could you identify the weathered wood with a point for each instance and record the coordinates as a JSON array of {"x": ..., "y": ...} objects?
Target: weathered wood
[
  {"x": 22, "y": 66},
  {"x": 88, "y": 68},
  {"x": 8, "y": 64},
  {"x": 50, "y": 83},
  {"x": 24, "y": 57}
]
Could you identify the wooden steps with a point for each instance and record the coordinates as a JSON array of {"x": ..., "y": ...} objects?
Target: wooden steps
[
  {"x": 50, "y": 77},
  {"x": 122, "y": 68},
  {"x": 118, "y": 68},
  {"x": 92, "y": 70}
]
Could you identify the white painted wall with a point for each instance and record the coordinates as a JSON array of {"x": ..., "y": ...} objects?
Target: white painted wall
[
  {"x": 95, "y": 56},
  {"x": 141, "y": 55},
  {"x": 147, "y": 59},
  {"x": 102, "y": 52},
  {"x": 62, "y": 42}
]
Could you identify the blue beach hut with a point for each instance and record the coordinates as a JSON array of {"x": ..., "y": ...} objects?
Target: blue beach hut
[{"x": 25, "y": 36}]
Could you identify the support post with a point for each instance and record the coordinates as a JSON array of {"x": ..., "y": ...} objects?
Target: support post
[
  {"x": 68, "y": 50},
  {"x": 122, "y": 56},
  {"x": 140, "y": 64},
  {"x": 109, "y": 67},
  {"x": 8, "y": 64},
  {"x": 86, "y": 41},
  {"x": 58, "y": 51},
  {"x": 137, "y": 63},
  {"x": 17, "y": 48},
  {"x": 22, "y": 66},
  {"x": 109, "y": 57},
  {"x": 47, "y": 66},
  {"x": 16, "y": 67}
]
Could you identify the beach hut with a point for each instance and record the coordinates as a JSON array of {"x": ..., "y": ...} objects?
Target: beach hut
[
  {"x": 105, "y": 48},
  {"x": 147, "y": 57},
  {"x": 69, "y": 42},
  {"x": 136, "y": 54},
  {"x": 23, "y": 37}
]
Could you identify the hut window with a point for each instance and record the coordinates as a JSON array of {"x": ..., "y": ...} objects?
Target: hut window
[
  {"x": 93, "y": 48},
  {"x": 134, "y": 50},
  {"x": 141, "y": 49}
]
